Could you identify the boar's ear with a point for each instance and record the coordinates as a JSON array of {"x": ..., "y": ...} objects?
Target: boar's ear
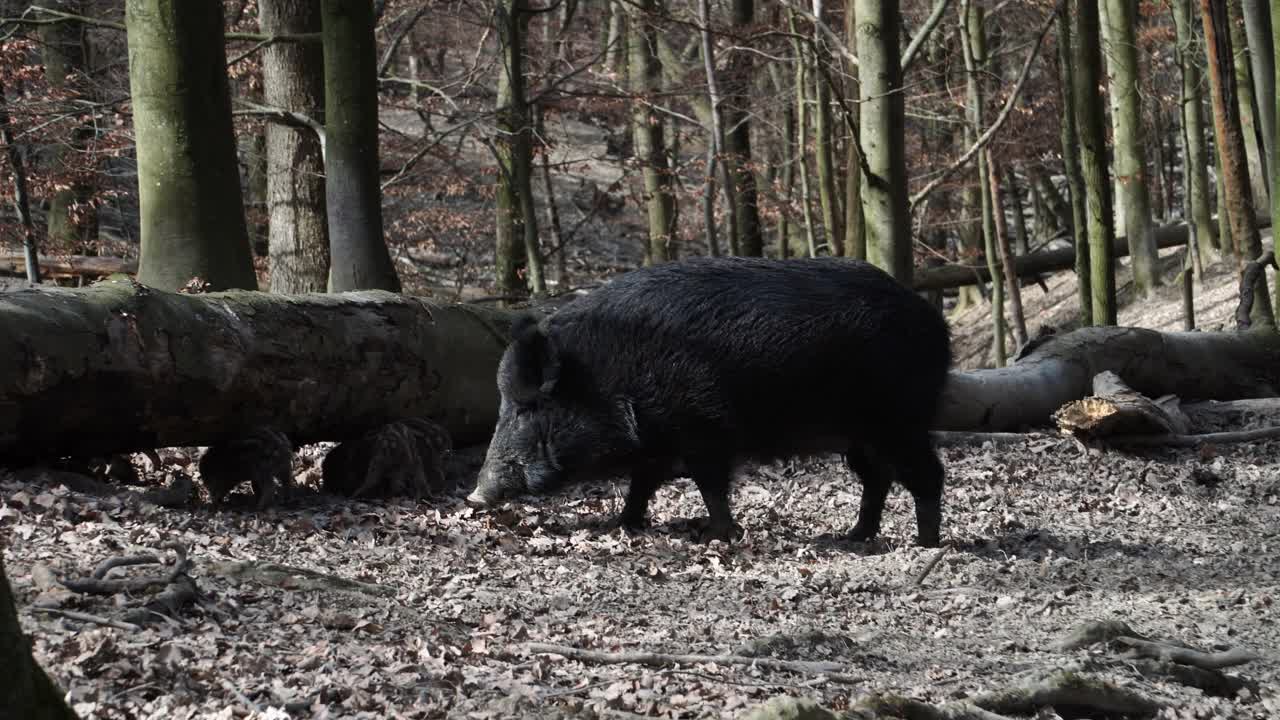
[{"x": 537, "y": 364}]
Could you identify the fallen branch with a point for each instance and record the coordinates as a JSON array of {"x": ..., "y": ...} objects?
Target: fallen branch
[
  {"x": 1210, "y": 682},
  {"x": 109, "y": 564},
  {"x": 960, "y": 437},
  {"x": 293, "y": 578},
  {"x": 830, "y": 670},
  {"x": 1090, "y": 696},
  {"x": 86, "y": 617},
  {"x": 928, "y": 568},
  {"x": 69, "y": 265},
  {"x": 168, "y": 604},
  {"x": 1187, "y": 656},
  {"x": 96, "y": 585},
  {"x": 1218, "y": 438}
]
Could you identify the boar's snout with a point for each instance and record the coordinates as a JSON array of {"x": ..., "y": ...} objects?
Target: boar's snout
[{"x": 496, "y": 481}]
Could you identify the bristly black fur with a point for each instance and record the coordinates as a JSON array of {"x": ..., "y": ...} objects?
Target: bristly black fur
[{"x": 697, "y": 365}]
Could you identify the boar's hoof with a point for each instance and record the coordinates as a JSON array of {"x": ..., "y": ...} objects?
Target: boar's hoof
[
  {"x": 724, "y": 533},
  {"x": 928, "y": 540},
  {"x": 478, "y": 501}
]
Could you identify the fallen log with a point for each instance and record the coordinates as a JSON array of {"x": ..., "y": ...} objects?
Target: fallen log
[
  {"x": 70, "y": 265},
  {"x": 1061, "y": 368},
  {"x": 119, "y": 367},
  {"x": 957, "y": 275}
]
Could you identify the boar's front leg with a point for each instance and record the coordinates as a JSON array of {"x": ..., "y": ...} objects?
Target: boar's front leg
[
  {"x": 645, "y": 481},
  {"x": 712, "y": 479}
]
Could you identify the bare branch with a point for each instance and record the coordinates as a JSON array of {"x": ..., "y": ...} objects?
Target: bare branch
[{"x": 913, "y": 49}]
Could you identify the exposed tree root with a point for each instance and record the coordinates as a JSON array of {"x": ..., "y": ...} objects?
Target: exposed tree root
[
  {"x": 1187, "y": 656},
  {"x": 86, "y": 617},
  {"x": 99, "y": 584},
  {"x": 833, "y": 671},
  {"x": 1074, "y": 693},
  {"x": 292, "y": 578}
]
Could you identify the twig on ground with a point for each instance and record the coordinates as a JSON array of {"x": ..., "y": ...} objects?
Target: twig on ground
[
  {"x": 928, "y": 568},
  {"x": 107, "y": 565},
  {"x": 653, "y": 659},
  {"x": 86, "y": 617}
]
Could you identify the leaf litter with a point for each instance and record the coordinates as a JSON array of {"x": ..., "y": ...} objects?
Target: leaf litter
[{"x": 330, "y": 608}]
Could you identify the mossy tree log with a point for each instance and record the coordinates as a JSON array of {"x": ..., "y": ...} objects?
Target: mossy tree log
[
  {"x": 27, "y": 691},
  {"x": 117, "y": 367}
]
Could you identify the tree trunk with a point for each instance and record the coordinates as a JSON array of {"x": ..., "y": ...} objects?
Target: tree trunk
[
  {"x": 21, "y": 195},
  {"x": 738, "y": 139},
  {"x": 1275, "y": 166},
  {"x": 1257, "y": 26},
  {"x": 1006, "y": 254},
  {"x": 1022, "y": 243},
  {"x": 293, "y": 80},
  {"x": 118, "y": 367},
  {"x": 1089, "y": 109},
  {"x": 1191, "y": 365},
  {"x": 192, "y": 216},
  {"x": 1070, "y": 140},
  {"x": 974, "y": 46},
  {"x": 358, "y": 256},
  {"x": 802, "y": 134},
  {"x": 63, "y": 50},
  {"x": 786, "y": 161},
  {"x": 615, "y": 40},
  {"x": 855, "y": 238},
  {"x": 1246, "y": 106},
  {"x": 832, "y": 215},
  {"x": 1195, "y": 155},
  {"x": 27, "y": 692},
  {"x": 553, "y": 211},
  {"x": 645, "y": 72},
  {"x": 1226, "y": 120},
  {"x": 882, "y": 122},
  {"x": 1133, "y": 195}
]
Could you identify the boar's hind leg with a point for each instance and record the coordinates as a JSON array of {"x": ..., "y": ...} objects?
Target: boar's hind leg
[
  {"x": 645, "y": 481},
  {"x": 876, "y": 479},
  {"x": 911, "y": 460},
  {"x": 712, "y": 479}
]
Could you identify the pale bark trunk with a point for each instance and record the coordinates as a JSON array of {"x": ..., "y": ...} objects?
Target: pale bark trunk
[
  {"x": 647, "y": 125},
  {"x": 293, "y": 80},
  {"x": 27, "y": 692},
  {"x": 1093, "y": 160},
  {"x": 1195, "y": 154},
  {"x": 1244, "y": 94},
  {"x": 832, "y": 215}
]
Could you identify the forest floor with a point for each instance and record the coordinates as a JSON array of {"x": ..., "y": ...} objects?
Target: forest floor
[
  {"x": 324, "y": 607},
  {"x": 329, "y": 608}
]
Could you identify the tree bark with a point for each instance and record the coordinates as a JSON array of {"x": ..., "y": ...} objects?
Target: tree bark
[
  {"x": 645, "y": 72},
  {"x": 802, "y": 134},
  {"x": 1195, "y": 155},
  {"x": 1021, "y": 243},
  {"x": 63, "y": 49},
  {"x": 21, "y": 195},
  {"x": 855, "y": 238},
  {"x": 1133, "y": 195},
  {"x": 738, "y": 139},
  {"x": 1005, "y": 252},
  {"x": 293, "y": 80},
  {"x": 1257, "y": 26},
  {"x": 974, "y": 46},
  {"x": 1089, "y": 109},
  {"x": 832, "y": 215},
  {"x": 1275, "y": 166},
  {"x": 1247, "y": 107},
  {"x": 27, "y": 691},
  {"x": 1071, "y": 164},
  {"x": 882, "y": 121},
  {"x": 1226, "y": 120},
  {"x": 358, "y": 256},
  {"x": 192, "y": 215},
  {"x": 119, "y": 367},
  {"x": 1191, "y": 365}
]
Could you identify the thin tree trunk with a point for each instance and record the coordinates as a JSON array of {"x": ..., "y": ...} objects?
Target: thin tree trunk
[
  {"x": 1275, "y": 166},
  {"x": 832, "y": 215},
  {"x": 786, "y": 161},
  {"x": 358, "y": 255},
  {"x": 553, "y": 210},
  {"x": 1021, "y": 243},
  {"x": 1089, "y": 107},
  {"x": 1006, "y": 254},
  {"x": 191, "y": 212},
  {"x": 855, "y": 238},
  {"x": 63, "y": 49},
  {"x": 1247, "y": 108},
  {"x": 650, "y": 146},
  {"x": 1133, "y": 195},
  {"x": 1158, "y": 179},
  {"x": 1071, "y": 162},
  {"x": 21, "y": 197},
  {"x": 1194, "y": 152},
  {"x": 616, "y": 39},
  {"x": 1257, "y": 26},
  {"x": 293, "y": 80},
  {"x": 974, "y": 46},
  {"x": 1226, "y": 120},
  {"x": 885, "y": 204},
  {"x": 716, "y": 151},
  {"x": 738, "y": 139},
  {"x": 802, "y": 133}
]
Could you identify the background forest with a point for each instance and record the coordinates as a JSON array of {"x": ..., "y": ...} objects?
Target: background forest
[{"x": 1068, "y": 181}]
